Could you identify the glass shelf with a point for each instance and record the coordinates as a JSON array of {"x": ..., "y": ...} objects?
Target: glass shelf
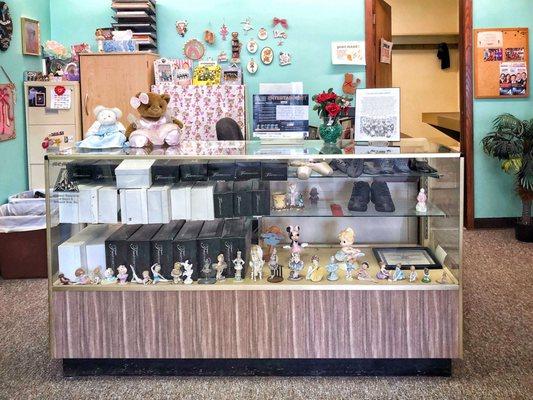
[{"x": 396, "y": 177}]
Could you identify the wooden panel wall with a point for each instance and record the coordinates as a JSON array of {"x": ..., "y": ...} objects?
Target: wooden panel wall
[{"x": 256, "y": 324}]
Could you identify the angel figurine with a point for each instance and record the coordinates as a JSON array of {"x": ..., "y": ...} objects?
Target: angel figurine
[
  {"x": 187, "y": 272},
  {"x": 156, "y": 273},
  {"x": 220, "y": 267},
  {"x": 238, "y": 265}
]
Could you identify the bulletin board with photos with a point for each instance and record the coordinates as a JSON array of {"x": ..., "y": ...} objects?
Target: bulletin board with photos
[{"x": 501, "y": 63}]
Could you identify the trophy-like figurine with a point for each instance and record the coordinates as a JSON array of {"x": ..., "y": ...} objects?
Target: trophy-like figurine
[
  {"x": 207, "y": 271},
  {"x": 238, "y": 264},
  {"x": 276, "y": 271}
]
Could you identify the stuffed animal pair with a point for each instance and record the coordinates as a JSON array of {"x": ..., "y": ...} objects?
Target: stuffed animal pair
[
  {"x": 106, "y": 132},
  {"x": 154, "y": 126}
]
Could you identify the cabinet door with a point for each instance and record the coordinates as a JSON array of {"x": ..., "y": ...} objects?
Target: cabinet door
[
  {"x": 47, "y": 115},
  {"x": 111, "y": 80}
]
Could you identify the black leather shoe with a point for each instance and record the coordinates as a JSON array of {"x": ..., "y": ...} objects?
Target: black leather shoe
[
  {"x": 381, "y": 197},
  {"x": 340, "y": 164},
  {"x": 372, "y": 167},
  {"x": 387, "y": 166},
  {"x": 401, "y": 165},
  {"x": 421, "y": 166},
  {"x": 360, "y": 197},
  {"x": 355, "y": 168}
]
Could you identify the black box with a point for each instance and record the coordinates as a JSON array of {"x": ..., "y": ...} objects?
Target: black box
[
  {"x": 161, "y": 246},
  {"x": 242, "y": 199},
  {"x": 223, "y": 200},
  {"x": 273, "y": 171},
  {"x": 166, "y": 172},
  {"x": 81, "y": 170},
  {"x": 185, "y": 245},
  {"x": 116, "y": 246},
  {"x": 221, "y": 171},
  {"x": 235, "y": 237},
  {"x": 139, "y": 251},
  {"x": 209, "y": 241},
  {"x": 193, "y": 172},
  {"x": 247, "y": 170},
  {"x": 104, "y": 171},
  {"x": 260, "y": 198}
]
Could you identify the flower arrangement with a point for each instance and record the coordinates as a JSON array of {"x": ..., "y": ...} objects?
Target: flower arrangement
[
  {"x": 331, "y": 106},
  {"x": 55, "y": 50}
]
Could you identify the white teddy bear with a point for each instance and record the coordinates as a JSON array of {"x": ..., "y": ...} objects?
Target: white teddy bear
[{"x": 106, "y": 132}]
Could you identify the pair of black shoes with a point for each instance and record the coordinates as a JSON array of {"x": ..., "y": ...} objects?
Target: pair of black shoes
[{"x": 378, "y": 193}]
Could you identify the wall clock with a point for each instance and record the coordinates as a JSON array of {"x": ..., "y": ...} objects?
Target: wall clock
[
  {"x": 6, "y": 26},
  {"x": 194, "y": 50}
]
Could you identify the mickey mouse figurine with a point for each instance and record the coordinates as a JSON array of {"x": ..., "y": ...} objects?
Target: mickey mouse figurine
[{"x": 294, "y": 236}]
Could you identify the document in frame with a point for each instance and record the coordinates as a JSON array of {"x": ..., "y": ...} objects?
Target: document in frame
[{"x": 377, "y": 115}]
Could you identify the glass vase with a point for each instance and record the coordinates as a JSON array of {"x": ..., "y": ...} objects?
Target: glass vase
[{"x": 330, "y": 134}]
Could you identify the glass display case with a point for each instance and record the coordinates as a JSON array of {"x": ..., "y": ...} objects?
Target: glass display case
[{"x": 256, "y": 251}]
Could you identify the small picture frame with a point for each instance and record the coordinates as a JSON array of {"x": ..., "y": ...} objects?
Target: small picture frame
[
  {"x": 31, "y": 37},
  {"x": 36, "y": 96},
  {"x": 164, "y": 71},
  {"x": 232, "y": 75},
  {"x": 420, "y": 257}
]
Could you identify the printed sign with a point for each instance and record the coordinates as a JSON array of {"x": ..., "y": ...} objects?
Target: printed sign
[{"x": 348, "y": 53}]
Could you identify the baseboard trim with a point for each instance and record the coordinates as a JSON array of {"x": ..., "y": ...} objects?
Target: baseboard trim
[
  {"x": 257, "y": 367},
  {"x": 494, "y": 223}
]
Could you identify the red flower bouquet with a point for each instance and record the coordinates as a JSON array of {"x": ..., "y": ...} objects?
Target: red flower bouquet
[{"x": 330, "y": 106}]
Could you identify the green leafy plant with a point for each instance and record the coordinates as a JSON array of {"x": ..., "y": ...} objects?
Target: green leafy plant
[{"x": 511, "y": 142}]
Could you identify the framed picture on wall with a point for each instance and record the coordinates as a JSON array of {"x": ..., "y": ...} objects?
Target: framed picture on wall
[{"x": 31, "y": 37}]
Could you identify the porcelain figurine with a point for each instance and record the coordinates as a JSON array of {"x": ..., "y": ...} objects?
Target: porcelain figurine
[
  {"x": 81, "y": 277},
  {"x": 207, "y": 272},
  {"x": 295, "y": 265},
  {"x": 276, "y": 271},
  {"x": 122, "y": 274},
  {"x": 63, "y": 279},
  {"x": 383, "y": 274},
  {"x": 146, "y": 279},
  {"x": 313, "y": 196},
  {"x": 294, "y": 237},
  {"x": 443, "y": 280},
  {"x": 256, "y": 263},
  {"x": 238, "y": 264},
  {"x": 312, "y": 267},
  {"x": 96, "y": 276},
  {"x": 348, "y": 253},
  {"x": 272, "y": 236},
  {"x": 109, "y": 277},
  {"x": 294, "y": 196},
  {"x": 398, "y": 274},
  {"x": 187, "y": 272},
  {"x": 426, "y": 278},
  {"x": 176, "y": 273},
  {"x": 363, "y": 274},
  {"x": 156, "y": 273},
  {"x": 315, "y": 273},
  {"x": 421, "y": 206},
  {"x": 413, "y": 275},
  {"x": 332, "y": 269},
  {"x": 220, "y": 267},
  {"x": 135, "y": 278}
]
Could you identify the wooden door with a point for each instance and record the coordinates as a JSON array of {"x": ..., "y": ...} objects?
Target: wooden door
[
  {"x": 379, "y": 13},
  {"x": 111, "y": 80}
]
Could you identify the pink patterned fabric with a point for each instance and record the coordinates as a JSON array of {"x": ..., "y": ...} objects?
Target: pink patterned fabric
[{"x": 200, "y": 107}]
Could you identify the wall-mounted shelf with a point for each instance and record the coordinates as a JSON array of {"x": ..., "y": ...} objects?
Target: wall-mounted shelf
[{"x": 425, "y": 42}]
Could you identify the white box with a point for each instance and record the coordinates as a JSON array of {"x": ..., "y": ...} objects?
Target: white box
[
  {"x": 202, "y": 203},
  {"x": 88, "y": 203},
  {"x": 180, "y": 201},
  {"x": 68, "y": 206},
  {"x": 95, "y": 249},
  {"x": 134, "y": 174},
  {"x": 108, "y": 205},
  {"x": 72, "y": 254},
  {"x": 159, "y": 204},
  {"x": 134, "y": 206}
]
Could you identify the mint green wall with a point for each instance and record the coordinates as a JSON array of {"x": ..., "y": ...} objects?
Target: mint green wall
[
  {"x": 313, "y": 25},
  {"x": 494, "y": 190},
  {"x": 14, "y": 177}
]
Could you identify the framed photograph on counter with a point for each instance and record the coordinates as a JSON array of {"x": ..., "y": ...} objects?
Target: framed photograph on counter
[{"x": 420, "y": 257}]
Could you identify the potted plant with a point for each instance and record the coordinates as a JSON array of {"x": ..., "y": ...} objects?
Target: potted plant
[
  {"x": 330, "y": 107},
  {"x": 511, "y": 142}
]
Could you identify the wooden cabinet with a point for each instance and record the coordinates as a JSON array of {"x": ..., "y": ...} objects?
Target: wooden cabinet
[{"x": 112, "y": 79}]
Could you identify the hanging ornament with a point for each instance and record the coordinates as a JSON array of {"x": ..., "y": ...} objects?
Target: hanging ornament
[
  {"x": 209, "y": 36},
  {"x": 194, "y": 49},
  {"x": 280, "y": 34},
  {"x": 252, "y": 46},
  {"x": 262, "y": 34},
  {"x": 280, "y": 21},
  {"x": 224, "y": 32},
  {"x": 182, "y": 27},
  {"x": 247, "y": 25},
  {"x": 222, "y": 57},
  {"x": 6, "y": 26},
  {"x": 284, "y": 59},
  {"x": 252, "y": 66},
  {"x": 349, "y": 86},
  {"x": 236, "y": 46},
  {"x": 267, "y": 56}
]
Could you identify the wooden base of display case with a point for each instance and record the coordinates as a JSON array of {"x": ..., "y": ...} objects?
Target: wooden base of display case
[
  {"x": 258, "y": 367},
  {"x": 256, "y": 324}
]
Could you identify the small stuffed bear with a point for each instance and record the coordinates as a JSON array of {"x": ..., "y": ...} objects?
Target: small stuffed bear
[
  {"x": 106, "y": 132},
  {"x": 155, "y": 125}
]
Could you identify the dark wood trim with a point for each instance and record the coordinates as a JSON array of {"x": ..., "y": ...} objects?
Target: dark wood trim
[
  {"x": 467, "y": 108},
  {"x": 370, "y": 47},
  {"x": 494, "y": 223}
]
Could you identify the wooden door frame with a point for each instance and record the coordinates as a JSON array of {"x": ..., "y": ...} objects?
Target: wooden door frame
[{"x": 465, "y": 93}]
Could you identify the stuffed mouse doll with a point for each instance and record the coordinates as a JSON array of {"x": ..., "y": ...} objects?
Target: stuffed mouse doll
[{"x": 154, "y": 126}]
